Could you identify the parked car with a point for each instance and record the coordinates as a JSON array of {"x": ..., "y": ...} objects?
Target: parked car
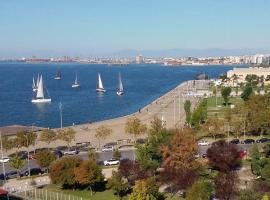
[
  {"x": 11, "y": 174},
  {"x": 70, "y": 151},
  {"x": 203, "y": 143},
  {"x": 262, "y": 140},
  {"x": 57, "y": 153},
  {"x": 107, "y": 148},
  {"x": 235, "y": 141},
  {"x": 248, "y": 141},
  {"x": 4, "y": 160},
  {"x": 33, "y": 171},
  {"x": 111, "y": 162}
]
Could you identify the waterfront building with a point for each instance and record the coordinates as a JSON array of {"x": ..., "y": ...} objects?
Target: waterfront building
[
  {"x": 139, "y": 59},
  {"x": 241, "y": 73}
]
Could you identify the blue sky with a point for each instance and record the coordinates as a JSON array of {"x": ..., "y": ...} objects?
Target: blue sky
[{"x": 94, "y": 27}]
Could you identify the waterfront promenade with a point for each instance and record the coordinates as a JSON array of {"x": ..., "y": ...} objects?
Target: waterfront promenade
[{"x": 169, "y": 108}]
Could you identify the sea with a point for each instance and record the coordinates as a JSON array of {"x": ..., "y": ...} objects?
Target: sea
[{"x": 143, "y": 83}]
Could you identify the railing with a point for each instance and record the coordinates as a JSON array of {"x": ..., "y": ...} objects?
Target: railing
[{"x": 42, "y": 194}]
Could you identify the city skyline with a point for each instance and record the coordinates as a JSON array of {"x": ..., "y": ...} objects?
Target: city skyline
[{"x": 106, "y": 28}]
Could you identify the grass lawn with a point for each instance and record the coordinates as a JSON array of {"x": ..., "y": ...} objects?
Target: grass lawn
[
  {"x": 213, "y": 110},
  {"x": 85, "y": 194},
  {"x": 105, "y": 195}
]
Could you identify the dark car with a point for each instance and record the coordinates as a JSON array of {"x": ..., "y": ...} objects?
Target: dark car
[
  {"x": 57, "y": 153},
  {"x": 248, "y": 141},
  {"x": 22, "y": 154},
  {"x": 11, "y": 174},
  {"x": 263, "y": 140},
  {"x": 235, "y": 141},
  {"x": 33, "y": 171}
]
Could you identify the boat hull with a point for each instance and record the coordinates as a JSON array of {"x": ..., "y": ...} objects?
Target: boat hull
[
  {"x": 57, "y": 78},
  {"x": 100, "y": 90},
  {"x": 119, "y": 93},
  {"x": 41, "y": 100},
  {"x": 75, "y": 86}
]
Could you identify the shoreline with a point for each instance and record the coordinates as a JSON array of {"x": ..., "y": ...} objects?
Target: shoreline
[{"x": 168, "y": 107}]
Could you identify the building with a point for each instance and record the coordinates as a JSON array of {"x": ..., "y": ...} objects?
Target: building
[
  {"x": 241, "y": 73},
  {"x": 139, "y": 59}
]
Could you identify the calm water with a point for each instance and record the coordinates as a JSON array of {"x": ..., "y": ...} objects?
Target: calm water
[{"x": 142, "y": 84}]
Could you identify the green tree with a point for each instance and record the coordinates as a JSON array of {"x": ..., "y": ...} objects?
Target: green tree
[
  {"x": 102, "y": 133},
  {"x": 187, "y": 108},
  {"x": 255, "y": 160},
  {"x": 149, "y": 155},
  {"x": 117, "y": 154},
  {"x": 45, "y": 158},
  {"x": 265, "y": 172},
  {"x": 135, "y": 127},
  {"x": 145, "y": 189},
  {"x": 118, "y": 184},
  {"x": 200, "y": 190},
  {"x": 246, "y": 93},
  {"x": 62, "y": 171},
  {"x": 88, "y": 174},
  {"x": 47, "y": 136},
  {"x": 200, "y": 114},
  {"x": 225, "y": 92},
  {"x": 66, "y": 135},
  {"x": 17, "y": 163}
]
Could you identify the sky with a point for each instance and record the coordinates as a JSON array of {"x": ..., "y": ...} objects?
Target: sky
[{"x": 103, "y": 27}]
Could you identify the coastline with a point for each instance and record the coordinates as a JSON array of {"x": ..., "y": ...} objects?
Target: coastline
[{"x": 169, "y": 107}]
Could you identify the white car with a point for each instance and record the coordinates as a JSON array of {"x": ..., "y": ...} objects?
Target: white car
[
  {"x": 111, "y": 162},
  {"x": 70, "y": 152},
  {"x": 107, "y": 148},
  {"x": 4, "y": 160},
  {"x": 203, "y": 143}
]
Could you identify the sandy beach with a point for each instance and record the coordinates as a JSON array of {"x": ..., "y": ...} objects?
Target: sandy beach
[{"x": 169, "y": 107}]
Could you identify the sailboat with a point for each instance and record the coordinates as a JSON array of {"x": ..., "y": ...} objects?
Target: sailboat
[
  {"x": 76, "y": 84},
  {"x": 40, "y": 93},
  {"x": 100, "y": 87},
  {"x": 120, "y": 90},
  {"x": 34, "y": 86},
  {"x": 58, "y": 76}
]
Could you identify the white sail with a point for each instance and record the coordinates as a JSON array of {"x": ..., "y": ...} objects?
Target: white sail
[
  {"x": 100, "y": 85},
  {"x": 76, "y": 80},
  {"x": 37, "y": 81},
  {"x": 120, "y": 87},
  {"x": 34, "y": 83},
  {"x": 40, "y": 92}
]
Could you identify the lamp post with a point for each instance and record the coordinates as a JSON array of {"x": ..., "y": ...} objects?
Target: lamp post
[
  {"x": 3, "y": 164},
  {"x": 61, "y": 118}
]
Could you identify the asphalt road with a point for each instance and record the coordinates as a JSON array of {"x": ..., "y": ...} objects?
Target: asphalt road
[{"x": 129, "y": 154}]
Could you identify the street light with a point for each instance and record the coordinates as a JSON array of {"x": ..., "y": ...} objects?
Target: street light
[
  {"x": 61, "y": 118},
  {"x": 3, "y": 164}
]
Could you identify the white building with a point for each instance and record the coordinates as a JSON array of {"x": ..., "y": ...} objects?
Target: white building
[
  {"x": 139, "y": 59},
  {"x": 241, "y": 73}
]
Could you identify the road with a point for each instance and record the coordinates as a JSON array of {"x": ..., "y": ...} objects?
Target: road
[
  {"x": 129, "y": 154},
  {"x": 83, "y": 155}
]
